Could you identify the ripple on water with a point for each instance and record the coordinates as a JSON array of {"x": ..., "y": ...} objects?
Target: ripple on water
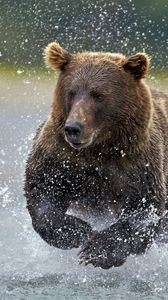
[{"x": 142, "y": 277}]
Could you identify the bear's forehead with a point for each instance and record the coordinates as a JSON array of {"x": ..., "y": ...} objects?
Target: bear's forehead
[{"x": 95, "y": 68}]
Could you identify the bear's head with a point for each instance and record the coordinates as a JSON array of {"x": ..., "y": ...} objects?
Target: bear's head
[{"x": 99, "y": 96}]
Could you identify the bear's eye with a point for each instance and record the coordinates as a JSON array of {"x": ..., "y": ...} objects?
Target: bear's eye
[
  {"x": 97, "y": 96},
  {"x": 71, "y": 95}
]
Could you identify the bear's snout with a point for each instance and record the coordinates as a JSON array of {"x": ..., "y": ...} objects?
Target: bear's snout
[
  {"x": 75, "y": 134},
  {"x": 73, "y": 131}
]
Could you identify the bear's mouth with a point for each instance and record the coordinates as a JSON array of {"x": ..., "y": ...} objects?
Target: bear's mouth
[
  {"x": 83, "y": 143},
  {"x": 80, "y": 145}
]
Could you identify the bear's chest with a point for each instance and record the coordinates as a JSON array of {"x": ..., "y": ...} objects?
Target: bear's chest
[
  {"x": 97, "y": 194},
  {"x": 99, "y": 187}
]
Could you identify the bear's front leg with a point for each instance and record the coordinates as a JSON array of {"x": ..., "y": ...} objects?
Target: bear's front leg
[
  {"x": 48, "y": 194},
  {"x": 111, "y": 247},
  {"x": 106, "y": 248},
  {"x": 56, "y": 227}
]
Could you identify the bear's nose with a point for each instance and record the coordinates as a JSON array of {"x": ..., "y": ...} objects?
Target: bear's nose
[{"x": 73, "y": 130}]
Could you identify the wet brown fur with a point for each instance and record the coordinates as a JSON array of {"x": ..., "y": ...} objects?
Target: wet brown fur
[{"x": 126, "y": 162}]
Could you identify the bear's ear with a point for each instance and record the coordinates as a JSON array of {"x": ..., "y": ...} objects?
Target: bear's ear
[
  {"x": 56, "y": 57},
  {"x": 137, "y": 65}
]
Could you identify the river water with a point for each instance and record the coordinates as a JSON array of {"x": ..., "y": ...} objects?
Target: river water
[{"x": 29, "y": 268}]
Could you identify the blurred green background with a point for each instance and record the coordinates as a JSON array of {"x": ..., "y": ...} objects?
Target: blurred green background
[{"x": 103, "y": 25}]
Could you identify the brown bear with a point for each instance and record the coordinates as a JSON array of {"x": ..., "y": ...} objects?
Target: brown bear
[{"x": 103, "y": 149}]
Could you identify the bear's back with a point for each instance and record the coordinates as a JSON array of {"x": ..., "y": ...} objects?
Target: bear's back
[{"x": 161, "y": 100}]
